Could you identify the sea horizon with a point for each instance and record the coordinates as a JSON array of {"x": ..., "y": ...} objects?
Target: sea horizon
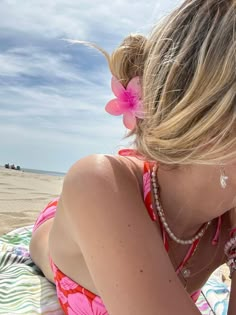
[
  {"x": 36, "y": 171},
  {"x": 52, "y": 173}
]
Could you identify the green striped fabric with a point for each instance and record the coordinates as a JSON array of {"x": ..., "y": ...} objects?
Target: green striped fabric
[{"x": 23, "y": 288}]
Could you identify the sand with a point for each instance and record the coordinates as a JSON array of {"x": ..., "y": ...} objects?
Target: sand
[{"x": 24, "y": 195}]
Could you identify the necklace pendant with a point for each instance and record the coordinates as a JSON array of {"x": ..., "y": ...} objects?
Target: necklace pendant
[
  {"x": 186, "y": 272},
  {"x": 223, "y": 181}
]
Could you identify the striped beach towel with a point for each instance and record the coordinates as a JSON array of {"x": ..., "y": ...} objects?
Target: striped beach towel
[{"x": 24, "y": 289}]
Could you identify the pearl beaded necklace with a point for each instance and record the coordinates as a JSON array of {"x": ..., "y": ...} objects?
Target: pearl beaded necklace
[{"x": 162, "y": 216}]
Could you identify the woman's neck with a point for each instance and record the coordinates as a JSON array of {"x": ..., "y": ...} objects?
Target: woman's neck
[{"x": 190, "y": 197}]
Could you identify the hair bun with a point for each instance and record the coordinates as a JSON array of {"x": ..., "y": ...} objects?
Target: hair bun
[{"x": 127, "y": 61}]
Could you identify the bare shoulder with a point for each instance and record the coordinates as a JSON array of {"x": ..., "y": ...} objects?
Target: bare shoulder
[
  {"x": 106, "y": 168},
  {"x": 122, "y": 247},
  {"x": 104, "y": 180}
]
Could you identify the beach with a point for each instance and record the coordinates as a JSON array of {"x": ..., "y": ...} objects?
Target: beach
[{"x": 23, "y": 195}]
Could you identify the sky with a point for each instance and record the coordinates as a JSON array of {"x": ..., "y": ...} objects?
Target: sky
[{"x": 52, "y": 93}]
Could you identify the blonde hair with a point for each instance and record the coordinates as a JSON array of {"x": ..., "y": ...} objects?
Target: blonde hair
[{"x": 188, "y": 72}]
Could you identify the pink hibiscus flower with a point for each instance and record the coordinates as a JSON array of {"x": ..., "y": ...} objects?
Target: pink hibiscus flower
[
  {"x": 128, "y": 101},
  {"x": 68, "y": 284},
  {"x": 79, "y": 304}
]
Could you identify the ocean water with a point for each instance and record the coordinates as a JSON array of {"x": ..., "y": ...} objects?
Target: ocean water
[{"x": 28, "y": 170}]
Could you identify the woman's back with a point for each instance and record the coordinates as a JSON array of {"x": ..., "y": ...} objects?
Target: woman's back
[
  {"x": 59, "y": 241},
  {"x": 65, "y": 250}
]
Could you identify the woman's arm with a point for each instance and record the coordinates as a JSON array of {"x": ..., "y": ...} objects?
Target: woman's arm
[{"x": 122, "y": 247}]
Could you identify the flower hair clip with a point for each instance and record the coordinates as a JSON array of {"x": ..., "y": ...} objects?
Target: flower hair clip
[{"x": 128, "y": 101}]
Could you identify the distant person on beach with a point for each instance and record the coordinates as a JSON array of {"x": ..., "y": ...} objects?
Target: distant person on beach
[{"x": 140, "y": 232}]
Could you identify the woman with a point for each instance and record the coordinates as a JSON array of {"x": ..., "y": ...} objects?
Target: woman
[{"x": 140, "y": 232}]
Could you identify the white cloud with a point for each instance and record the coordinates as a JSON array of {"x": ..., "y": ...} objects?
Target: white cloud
[
  {"x": 46, "y": 98},
  {"x": 66, "y": 86},
  {"x": 36, "y": 61},
  {"x": 77, "y": 19}
]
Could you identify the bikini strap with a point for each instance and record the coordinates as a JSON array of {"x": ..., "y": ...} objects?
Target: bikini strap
[
  {"x": 147, "y": 193},
  {"x": 147, "y": 169},
  {"x": 131, "y": 152},
  {"x": 217, "y": 234}
]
